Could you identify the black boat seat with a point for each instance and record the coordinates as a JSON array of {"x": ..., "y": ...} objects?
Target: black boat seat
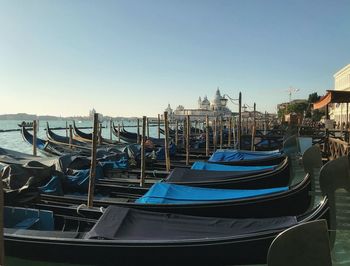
[
  {"x": 38, "y": 233},
  {"x": 305, "y": 244},
  {"x": 26, "y": 218},
  {"x": 26, "y": 223}
]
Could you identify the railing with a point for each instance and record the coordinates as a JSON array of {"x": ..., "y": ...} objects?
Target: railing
[{"x": 337, "y": 148}]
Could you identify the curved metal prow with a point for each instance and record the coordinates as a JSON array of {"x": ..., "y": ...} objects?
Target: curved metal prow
[
  {"x": 334, "y": 175},
  {"x": 303, "y": 245}
]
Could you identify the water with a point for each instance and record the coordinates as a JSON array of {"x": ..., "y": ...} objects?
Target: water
[{"x": 14, "y": 141}]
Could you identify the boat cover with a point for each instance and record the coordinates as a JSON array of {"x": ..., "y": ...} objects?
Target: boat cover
[
  {"x": 239, "y": 155},
  {"x": 189, "y": 175},
  {"x": 221, "y": 167},
  {"x": 170, "y": 193},
  {"x": 119, "y": 223}
]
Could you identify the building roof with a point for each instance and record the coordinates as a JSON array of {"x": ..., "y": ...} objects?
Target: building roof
[{"x": 333, "y": 96}]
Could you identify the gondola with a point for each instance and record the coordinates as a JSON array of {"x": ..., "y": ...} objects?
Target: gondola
[
  {"x": 52, "y": 136},
  {"x": 291, "y": 200},
  {"x": 44, "y": 146},
  {"x": 273, "y": 176},
  {"x": 50, "y": 148},
  {"x": 131, "y": 137},
  {"x": 126, "y": 236},
  {"x": 87, "y": 137},
  {"x": 237, "y": 177}
]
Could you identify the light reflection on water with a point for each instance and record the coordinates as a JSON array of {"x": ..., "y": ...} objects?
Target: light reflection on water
[{"x": 14, "y": 141}]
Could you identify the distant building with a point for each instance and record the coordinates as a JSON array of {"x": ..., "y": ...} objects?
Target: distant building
[
  {"x": 341, "y": 83},
  {"x": 91, "y": 113},
  {"x": 217, "y": 107}
]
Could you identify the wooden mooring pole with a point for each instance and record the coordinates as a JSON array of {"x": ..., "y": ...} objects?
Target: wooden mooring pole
[
  {"x": 229, "y": 131},
  {"x": 188, "y": 132},
  {"x": 70, "y": 136},
  {"x": 2, "y": 250},
  {"x": 138, "y": 131},
  {"x": 93, "y": 163},
  {"x": 110, "y": 129},
  {"x": 253, "y": 129},
  {"x": 239, "y": 132},
  {"x": 221, "y": 132},
  {"x": 118, "y": 132},
  {"x": 100, "y": 134},
  {"x": 66, "y": 129},
  {"x": 143, "y": 161},
  {"x": 159, "y": 126},
  {"x": 166, "y": 142},
  {"x": 207, "y": 135},
  {"x": 34, "y": 138},
  {"x": 176, "y": 132},
  {"x": 214, "y": 133},
  {"x": 147, "y": 128}
]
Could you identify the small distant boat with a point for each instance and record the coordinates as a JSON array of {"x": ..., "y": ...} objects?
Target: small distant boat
[{"x": 25, "y": 124}]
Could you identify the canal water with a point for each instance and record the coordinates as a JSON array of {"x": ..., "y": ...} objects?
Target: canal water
[{"x": 13, "y": 140}]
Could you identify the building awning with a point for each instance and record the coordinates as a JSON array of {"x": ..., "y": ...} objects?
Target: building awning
[{"x": 333, "y": 96}]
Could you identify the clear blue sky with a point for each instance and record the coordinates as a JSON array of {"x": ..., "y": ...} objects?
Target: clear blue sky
[{"x": 133, "y": 57}]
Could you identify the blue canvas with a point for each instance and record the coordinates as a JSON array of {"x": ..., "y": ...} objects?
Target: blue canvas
[{"x": 164, "y": 193}]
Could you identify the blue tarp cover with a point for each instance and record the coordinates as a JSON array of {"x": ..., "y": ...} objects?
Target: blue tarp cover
[
  {"x": 53, "y": 187},
  {"x": 170, "y": 193},
  {"x": 233, "y": 168},
  {"x": 239, "y": 155}
]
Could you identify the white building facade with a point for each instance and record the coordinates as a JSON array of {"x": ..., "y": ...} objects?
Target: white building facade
[
  {"x": 214, "y": 108},
  {"x": 341, "y": 83}
]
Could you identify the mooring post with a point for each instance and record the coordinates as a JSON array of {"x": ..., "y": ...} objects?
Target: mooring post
[
  {"x": 229, "y": 131},
  {"x": 100, "y": 135},
  {"x": 158, "y": 126},
  {"x": 347, "y": 123},
  {"x": 214, "y": 133},
  {"x": 70, "y": 136},
  {"x": 93, "y": 163},
  {"x": 110, "y": 129},
  {"x": 166, "y": 142},
  {"x": 118, "y": 132},
  {"x": 176, "y": 132},
  {"x": 253, "y": 129},
  {"x": 2, "y": 251},
  {"x": 207, "y": 135},
  {"x": 188, "y": 132},
  {"x": 221, "y": 131},
  {"x": 138, "y": 131},
  {"x": 143, "y": 162},
  {"x": 239, "y": 120},
  {"x": 183, "y": 133},
  {"x": 34, "y": 137},
  {"x": 66, "y": 129},
  {"x": 234, "y": 132},
  {"x": 148, "y": 128}
]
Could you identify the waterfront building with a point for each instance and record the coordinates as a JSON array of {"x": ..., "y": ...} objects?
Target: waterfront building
[
  {"x": 341, "y": 83},
  {"x": 217, "y": 107}
]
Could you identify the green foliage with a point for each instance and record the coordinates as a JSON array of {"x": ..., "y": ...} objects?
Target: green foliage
[
  {"x": 303, "y": 108},
  {"x": 297, "y": 108},
  {"x": 313, "y": 97}
]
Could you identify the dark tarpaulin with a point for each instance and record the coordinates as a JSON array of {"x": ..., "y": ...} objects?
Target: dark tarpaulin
[
  {"x": 21, "y": 182},
  {"x": 119, "y": 223},
  {"x": 189, "y": 175}
]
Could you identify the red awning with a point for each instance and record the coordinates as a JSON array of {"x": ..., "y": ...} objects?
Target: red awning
[{"x": 333, "y": 97}]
